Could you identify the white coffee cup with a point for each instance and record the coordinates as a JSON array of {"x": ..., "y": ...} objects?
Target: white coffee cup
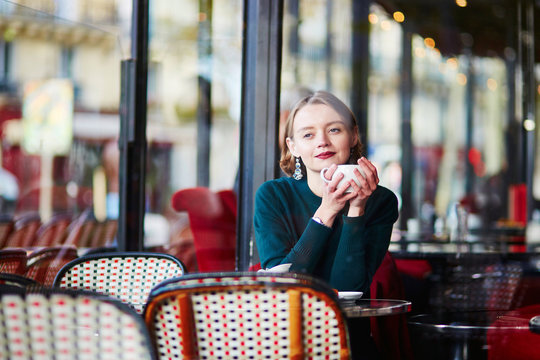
[{"x": 348, "y": 174}]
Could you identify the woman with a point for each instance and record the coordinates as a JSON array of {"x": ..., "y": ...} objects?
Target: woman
[{"x": 340, "y": 237}]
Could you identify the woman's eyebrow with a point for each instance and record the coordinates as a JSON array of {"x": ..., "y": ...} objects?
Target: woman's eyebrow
[{"x": 325, "y": 125}]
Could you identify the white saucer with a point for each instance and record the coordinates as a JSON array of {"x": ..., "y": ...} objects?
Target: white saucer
[
  {"x": 350, "y": 295},
  {"x": 281, "y": 268}
]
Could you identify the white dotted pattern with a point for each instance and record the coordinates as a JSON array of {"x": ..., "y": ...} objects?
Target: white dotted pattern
[
  {"x": 65, "y": 327},
  {"x": 129, "y": 279}
]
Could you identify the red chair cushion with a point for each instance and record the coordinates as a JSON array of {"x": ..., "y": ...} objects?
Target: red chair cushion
[
  {"x": 509, "y": 336},
  {"x": 390, "y": 333},
  {"x": 212, "y": 218}
]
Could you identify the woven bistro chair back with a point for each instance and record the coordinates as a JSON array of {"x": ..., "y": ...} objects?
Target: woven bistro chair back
[
  {"x": 43, "y": 264},
  {"x": 13, "y": 261},
  {"x": 246, "y": 316},
  {"x": 128, "y": 276},
  {"x": 45, "y": 323},
  {"x": 17, "y": 280}
]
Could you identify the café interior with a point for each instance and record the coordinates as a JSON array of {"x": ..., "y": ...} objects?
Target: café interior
[{"x": 138, "y": 132}]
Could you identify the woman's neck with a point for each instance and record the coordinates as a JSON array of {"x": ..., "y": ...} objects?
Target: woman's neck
[{"x": 315, "y": 183}]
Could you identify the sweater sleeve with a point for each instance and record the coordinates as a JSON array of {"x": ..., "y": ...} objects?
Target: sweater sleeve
[
  {"x": 363, "y": 243},
  {"x": 285, "y": 235}
]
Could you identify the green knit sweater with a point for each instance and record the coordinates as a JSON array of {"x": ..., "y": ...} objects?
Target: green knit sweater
[{"x": 346, "y": 255}]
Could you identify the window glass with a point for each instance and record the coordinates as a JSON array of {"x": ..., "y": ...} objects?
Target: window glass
[
  {"x": 194, "y": 88},
  {"x": 464, "y": 101},
  {"x": 60, "y": 123},
  {"x": 60, "y": 83}
]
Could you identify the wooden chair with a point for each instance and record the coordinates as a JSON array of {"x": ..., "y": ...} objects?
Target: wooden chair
[
  {"x": 59, "y": 324},
  {"x": 128, "y": 276},
  {"x": 13, "y": 261},
  {"x": 246, "y": 315},
  {"x": 43, "y": 264},
  {"x": 212, "y": 218}
]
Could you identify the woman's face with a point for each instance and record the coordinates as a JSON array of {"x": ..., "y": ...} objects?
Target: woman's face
[{"x": 320, "y": 138}]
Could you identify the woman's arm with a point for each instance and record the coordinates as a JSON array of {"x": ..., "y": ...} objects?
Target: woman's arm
[
  {"x": 277, "y": 227},
  {"x": 364, "y": 242}
]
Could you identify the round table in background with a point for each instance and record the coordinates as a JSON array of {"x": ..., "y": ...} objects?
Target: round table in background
[
  {"x": 359, "y": 314},
  {"x": 374, "y": 307},
  {"x": 534, "y": 324}
]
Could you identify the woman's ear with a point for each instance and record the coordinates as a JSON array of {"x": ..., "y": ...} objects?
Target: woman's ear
[{"x": 291, "y": 146}]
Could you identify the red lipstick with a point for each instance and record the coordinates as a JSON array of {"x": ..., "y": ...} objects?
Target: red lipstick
[{"x": 325, "y": 155}]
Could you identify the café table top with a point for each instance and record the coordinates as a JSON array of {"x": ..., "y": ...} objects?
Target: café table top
[
  {"x": 374, "y": 307},
  {"x": 465, "y": 322},
  {"x": 494, "y": 239},
  {"x": 534, "y": 324}
]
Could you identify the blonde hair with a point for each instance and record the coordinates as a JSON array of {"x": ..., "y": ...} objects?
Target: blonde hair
[{"x": 287, "y": 161}]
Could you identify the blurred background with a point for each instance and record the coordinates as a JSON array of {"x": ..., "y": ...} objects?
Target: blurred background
[{"x": 447, "y": 102}]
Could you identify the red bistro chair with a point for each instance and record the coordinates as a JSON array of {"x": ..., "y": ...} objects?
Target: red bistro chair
[
  {"x": 13, "y": 261},
  {"x": 509, "y": 336},
  {"x": 24, "y": 231},
  {"x": 212, "y": 217},
  {"x": 390, "y": 333},
  {"x": 43, "y": 264}
]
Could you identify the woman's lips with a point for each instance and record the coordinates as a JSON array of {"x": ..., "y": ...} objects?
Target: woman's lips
[{"x": 325, "y": 155}]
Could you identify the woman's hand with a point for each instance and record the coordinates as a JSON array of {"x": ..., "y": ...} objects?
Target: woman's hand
[
  {"x": 333, "y": 198},
  {"x": 368, "y": 184}
]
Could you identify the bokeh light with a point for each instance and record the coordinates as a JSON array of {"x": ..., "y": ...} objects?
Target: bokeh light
[
  {"x": 429, "y": 42},
  {"x": 452, "y": 63},
  {"x": 461, "y": 79},
  {"x": 529, "y": 124},
  {"x": 491, "y": 84},
  {"x": 399, "y": 16},
  {"x": 386, "y": 25},
  {"x": 419, "y": 52}
]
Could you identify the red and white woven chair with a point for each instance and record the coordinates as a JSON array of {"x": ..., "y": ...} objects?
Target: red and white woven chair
[
  {"x": 128, "y": 276},
  {"x": 17, "y": 280},
  {"x": 43, "y": 264},
  {"x": 60, "y": 324},
  {"x": 246, "y": 316},
  {"x": 13, "y": 261}
]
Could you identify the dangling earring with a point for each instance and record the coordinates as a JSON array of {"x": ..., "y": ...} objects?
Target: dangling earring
[{"x": 297, "y": 171}]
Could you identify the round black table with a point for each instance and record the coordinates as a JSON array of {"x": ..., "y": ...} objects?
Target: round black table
[
  {"x": 534, "y": 324},
  {"x": 456, "y": 334},
  {"x": 374, "y": 307},
  {"x": 359, "y": 314}
]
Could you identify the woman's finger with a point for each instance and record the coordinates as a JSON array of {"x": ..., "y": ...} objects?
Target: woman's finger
[
  {"x": 370, "y": 172},
  {"x": 361, "y": 179},
  {"x": 330, "y": 172},
  {"x": 369, "y": 169},
  {"x": 333, "y": 184}
]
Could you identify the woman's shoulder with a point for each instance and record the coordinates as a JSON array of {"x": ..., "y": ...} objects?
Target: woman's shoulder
[
  {"x": 277, "y": 186},
  {"x": 384, "y": 194}
]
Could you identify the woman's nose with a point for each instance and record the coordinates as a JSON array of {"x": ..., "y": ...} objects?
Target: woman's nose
[{"x": 322, "y": 139}]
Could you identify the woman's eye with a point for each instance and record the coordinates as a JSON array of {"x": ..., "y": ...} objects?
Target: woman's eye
[
  {"x": 335, "y": 130},
  {"x": 306, "y": 136}
]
